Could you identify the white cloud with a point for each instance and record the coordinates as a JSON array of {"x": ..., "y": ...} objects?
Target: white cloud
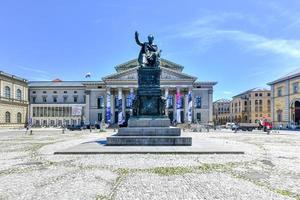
[
  {"x": 227, "y": 92},
  {"x": 208, "y": 36},
  {"x": 30, "y": 69}
]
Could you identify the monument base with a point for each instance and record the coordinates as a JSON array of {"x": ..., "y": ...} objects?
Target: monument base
[{"x": 149, "y": 131}]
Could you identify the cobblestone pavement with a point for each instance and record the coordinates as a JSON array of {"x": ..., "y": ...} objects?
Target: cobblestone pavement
[{"x": 29, "y": 170}]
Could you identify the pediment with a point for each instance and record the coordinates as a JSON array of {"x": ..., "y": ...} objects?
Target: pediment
[
  {"x": 131, "y": 75},
  {"x": 134, "y": 63}
]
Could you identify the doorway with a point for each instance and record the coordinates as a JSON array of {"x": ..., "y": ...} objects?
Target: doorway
[{"x": 297, "y": 112}]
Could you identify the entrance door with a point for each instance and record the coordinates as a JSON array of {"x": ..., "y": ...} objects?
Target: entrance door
[
  {"x": 171, "y": 115},
  {"x": 182, "y": 116},
  {"x": 297, "y": 112},
  {"x": 116, "y": 117}
]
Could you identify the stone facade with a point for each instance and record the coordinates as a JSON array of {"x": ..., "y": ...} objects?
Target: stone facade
[
  {"x": 13, "y": 101},
  {"x": 251, "y": 106},
  {"x": 221, "y": 111},
  {"x": 286, "y": 100},
  {"x": 119, "y": 87}
]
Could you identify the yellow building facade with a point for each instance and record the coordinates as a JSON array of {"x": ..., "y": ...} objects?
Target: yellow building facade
[
  {"x": 251, "y": 106},
  {"x": 13, "y": 101},
  {"x": 286, "y": 100}
]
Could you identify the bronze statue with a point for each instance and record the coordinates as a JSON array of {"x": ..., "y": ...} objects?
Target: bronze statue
[{"x": 149, "y": 54}]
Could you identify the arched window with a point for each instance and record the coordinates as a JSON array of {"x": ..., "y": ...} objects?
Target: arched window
[
  {"x": 19, "y": 94},
  {"x": 7, "y": 92},
  {"x": 19, "y": 118},
  {"x": 7, "y": 117}
]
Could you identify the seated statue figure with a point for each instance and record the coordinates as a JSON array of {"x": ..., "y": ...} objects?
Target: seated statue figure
[{"x": 149, "y": 54}]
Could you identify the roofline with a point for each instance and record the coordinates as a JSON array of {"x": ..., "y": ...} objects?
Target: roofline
[
  {"x": 206, "y": 82},
  {"x": 181, "y": 67},
  {"x": 284, "y": 79},
  {"x": 251, "y": 90},
  {"x": 13, "y": 76}
]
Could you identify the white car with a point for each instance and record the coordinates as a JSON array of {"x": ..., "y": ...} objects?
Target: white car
[{"x": 229, "y": 125}]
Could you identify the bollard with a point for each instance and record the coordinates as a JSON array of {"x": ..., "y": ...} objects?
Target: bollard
[
  {"x": 63, "y": 131},
  {"x": 31, "y": 133}
]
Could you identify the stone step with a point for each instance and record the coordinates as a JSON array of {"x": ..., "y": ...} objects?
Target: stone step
[
  {"x": 148, "y": 122},
  {"x": 149, "y": 131},
  {"x": 148, "y": 141}
]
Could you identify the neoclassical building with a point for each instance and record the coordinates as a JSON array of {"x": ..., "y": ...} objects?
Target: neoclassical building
[
  {"x": 285, "y": 99},
  {"x": 53, "y": 103},
  {"x": 13, "y": 101}
]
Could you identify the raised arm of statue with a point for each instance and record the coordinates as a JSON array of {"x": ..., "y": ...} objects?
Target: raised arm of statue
[{"x": 137, "y": 39}]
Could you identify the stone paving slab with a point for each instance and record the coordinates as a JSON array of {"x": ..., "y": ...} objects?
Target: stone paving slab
[{"x": 199, "y": 146}]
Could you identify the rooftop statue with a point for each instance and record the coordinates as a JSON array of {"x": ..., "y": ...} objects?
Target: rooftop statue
[{"x": 149, "y": 55}]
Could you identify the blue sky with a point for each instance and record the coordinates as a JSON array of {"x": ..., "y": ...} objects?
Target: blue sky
[{"x": 240, "y": 44}]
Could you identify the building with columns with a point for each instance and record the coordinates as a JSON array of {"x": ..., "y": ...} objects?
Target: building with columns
[
  {"x": 13, "y": 101},
  {"x": 285, "y": 99},
  {"x": 55, "y": 102}
]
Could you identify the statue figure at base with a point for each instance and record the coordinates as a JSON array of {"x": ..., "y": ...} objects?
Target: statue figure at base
[{"x": 149, "y": 54}]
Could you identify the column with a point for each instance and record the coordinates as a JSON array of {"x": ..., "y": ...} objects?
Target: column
[
  {"x": 210, "y": 105},
  {"x": 272, "y": 104},
  {"x": 87, "y": 107},
  {"x": 178, "y": 95},
  {"x": 131, "y": 99},
  {"x": 120, "y": 109},
  {"x": 108, "y": 106},
  {"x": 167, "y": 100},
  {"x": 287, "y": 115}
]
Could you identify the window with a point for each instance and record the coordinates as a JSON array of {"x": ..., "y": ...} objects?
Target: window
[
  {"x": 260, "y": 94},
  {"x": 55, "y": 99},
  {"x": 75, "y": 92},
  {"x": 279, "y": 92},
  {"x": 19, "y": 118},
  {"x": 260, "y": 102},
  {"x": 199, "y": 117},
  {"x": 75, "y": 99},
  {"x": 198, "y": 102},
  {"x": 128, "y": 101},
  {"x": 279, "y": 115},
  {"x": 65, "y": 92},
  {"x": 295, "y": 87},
  {"x": 170, "y": 102},
  {"x": 7, "y": 117},
  {"x": 7, "y": 92},
  {"x": 44, "y": 92},
  {"x": 269, "y": 94},
  {"x": 33, "y": 92},
  {"x": 65, "y": 99},
  {"x": 55, "y": 92},
  {"x": 33, "y": 99},
  {"x": 100, "y": 102},
  {"x": 100, "y": 117},
  {"x": 44, "y": 99},
  {"x": 117, "y": 102},
  {"x": 19, "y": 94},
  {"x": 181, "y": 102},
  {"x": 256, "y": 94}
]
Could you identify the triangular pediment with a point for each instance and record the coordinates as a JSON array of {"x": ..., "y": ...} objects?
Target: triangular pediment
[
  {"x": 134, "y": 63},
  {"x": 131, "y": 75}
]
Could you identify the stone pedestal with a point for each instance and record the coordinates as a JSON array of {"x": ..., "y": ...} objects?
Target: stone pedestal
[
  {"x": 149, "y": 126},
  {"x": 149, "y": 131}
]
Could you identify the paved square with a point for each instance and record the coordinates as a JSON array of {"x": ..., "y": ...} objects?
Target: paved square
[{"x": 269, "y": 169}]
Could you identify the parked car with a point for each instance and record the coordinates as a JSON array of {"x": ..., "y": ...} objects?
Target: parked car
[{"x": 229, "y": 125}]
